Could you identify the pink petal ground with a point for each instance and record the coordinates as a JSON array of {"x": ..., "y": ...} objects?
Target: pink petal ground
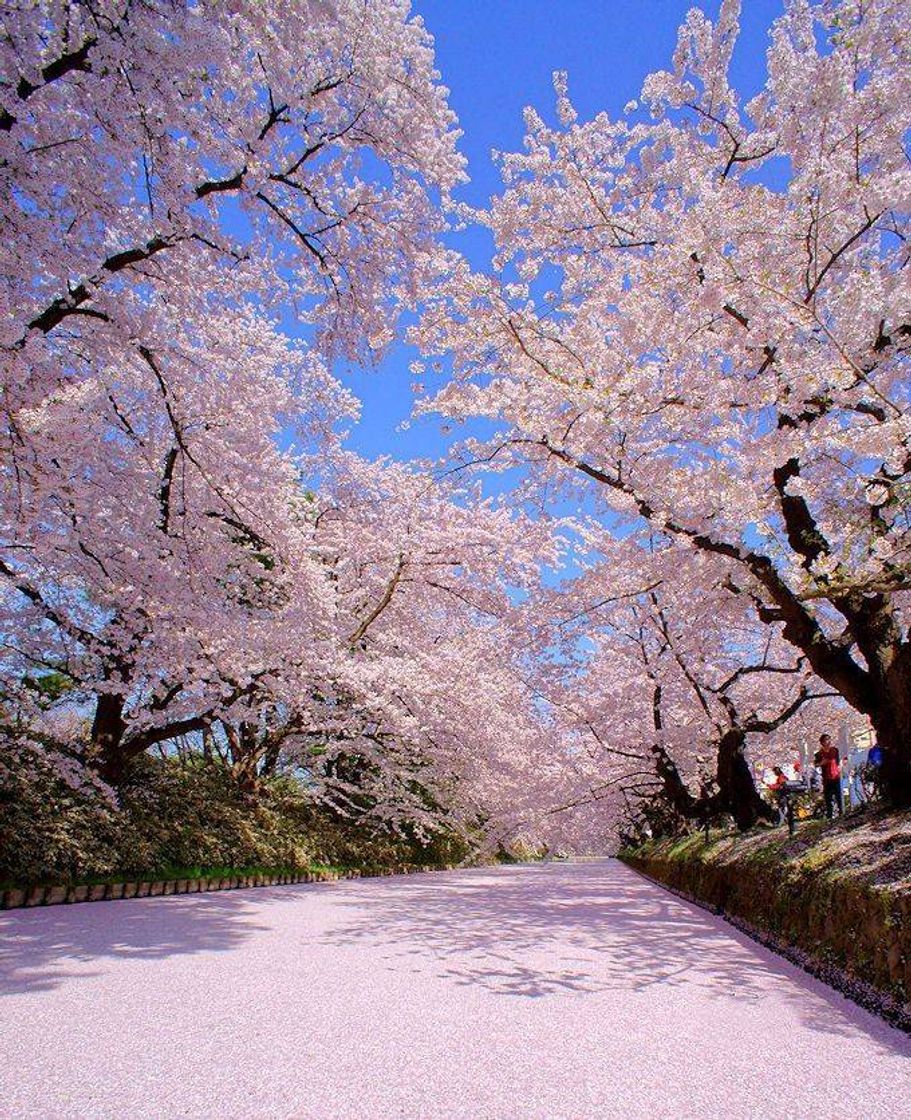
[{"x": 562, "y": 990}]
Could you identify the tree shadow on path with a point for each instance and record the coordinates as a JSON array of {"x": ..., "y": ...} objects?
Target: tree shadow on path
[
  {"x": 530, "y": 932},
  {"x": 40, "y": 948},
  {"x": 585, "y": 928}
]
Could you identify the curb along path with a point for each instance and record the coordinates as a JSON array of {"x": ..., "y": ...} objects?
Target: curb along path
[{"x": 18, "y": 897}]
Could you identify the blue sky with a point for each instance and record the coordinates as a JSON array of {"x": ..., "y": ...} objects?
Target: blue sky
[{"x": 497, "y": 57}]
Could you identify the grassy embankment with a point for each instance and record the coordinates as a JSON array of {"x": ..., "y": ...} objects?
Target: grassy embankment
[{"x": 173, "y": 821}]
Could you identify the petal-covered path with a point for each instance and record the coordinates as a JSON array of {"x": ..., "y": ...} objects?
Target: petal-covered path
[{"x": 561, "y": 990}]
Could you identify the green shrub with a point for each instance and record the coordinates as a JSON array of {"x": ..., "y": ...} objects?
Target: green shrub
[{"x": 180, "y": 814}]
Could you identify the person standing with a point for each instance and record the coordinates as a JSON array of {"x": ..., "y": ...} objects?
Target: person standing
[
  {"x": 777, "y": 786},
  {"x": 872, "y": 770},
  {"x": 828, "y": 759}
]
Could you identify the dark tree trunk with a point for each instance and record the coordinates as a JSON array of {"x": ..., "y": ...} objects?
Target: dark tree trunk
[
  {"x": 113, "y": 748},
  {"x": 270, "y": 758},
  {"x": 737, "y": 793},
  {"x": 877, "y": 630},
  {"x": 108, "y": 729},
  {"x": 674, "y": 789},
  {"x": 892, "y": 725},
  {"x": 245, "y": 753}
]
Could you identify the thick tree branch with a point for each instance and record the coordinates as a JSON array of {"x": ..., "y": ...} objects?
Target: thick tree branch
[
  {"x": 384, "y": 602},
  {"x": 67, "y": 63}
]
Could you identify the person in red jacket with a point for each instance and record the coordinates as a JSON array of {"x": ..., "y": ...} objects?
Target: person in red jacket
[
  {"x": 779, "y": 781},
  {"x": 777, "y": 787},
  {"x": 828, "y": 759}
]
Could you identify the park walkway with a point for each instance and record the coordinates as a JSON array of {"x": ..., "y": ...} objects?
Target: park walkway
[{"x": 562, "y": 990}]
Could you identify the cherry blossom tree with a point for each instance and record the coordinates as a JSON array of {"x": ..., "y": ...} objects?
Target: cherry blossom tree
[
  {"x": 671, "y": 685},
  {"x": 176, "y": 177},
  {"x": 701, "y": 312},
  {"x": 422, "y": 677}
]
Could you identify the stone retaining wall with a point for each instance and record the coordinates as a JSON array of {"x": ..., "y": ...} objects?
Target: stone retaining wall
[
  {"x": 835, "y": 923},
  {"x": 103, "y": 892}
]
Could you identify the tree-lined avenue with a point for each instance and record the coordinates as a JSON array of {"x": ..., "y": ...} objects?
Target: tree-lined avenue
[{"x": 561, "y": 990}]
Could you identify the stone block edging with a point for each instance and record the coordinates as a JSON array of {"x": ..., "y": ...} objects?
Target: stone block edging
[{"x": 20, "y": 897}]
